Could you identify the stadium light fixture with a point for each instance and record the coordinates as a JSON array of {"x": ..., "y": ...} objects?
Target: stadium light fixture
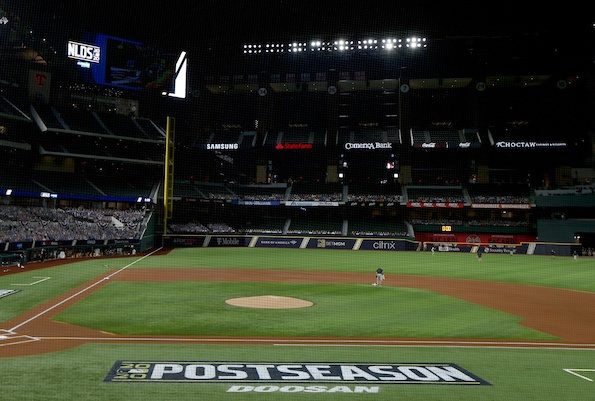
[{"x": 340, "y": 45}]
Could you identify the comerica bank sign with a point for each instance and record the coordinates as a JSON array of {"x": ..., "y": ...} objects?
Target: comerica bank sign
[
  {"x": 260, "y": 376},
  {"x": 368, "y": 145},
  {"x": 84, "y": 52}
]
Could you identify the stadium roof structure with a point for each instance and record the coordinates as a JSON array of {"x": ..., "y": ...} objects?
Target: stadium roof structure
[{"x": 220, "y": 25}]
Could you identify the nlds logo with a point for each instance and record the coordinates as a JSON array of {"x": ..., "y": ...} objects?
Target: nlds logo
[{"x": 82, "y": 51}]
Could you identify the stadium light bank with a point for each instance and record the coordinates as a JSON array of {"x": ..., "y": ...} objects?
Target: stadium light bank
[{"x": 341, "y": 45}]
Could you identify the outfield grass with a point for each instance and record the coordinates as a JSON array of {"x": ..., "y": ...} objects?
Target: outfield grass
[
  {"x": 548, "y": 271},
  {"x": 514, "y": 374},
  {"x": 199, "y": 308},
  {"x": 561, "y": 272}
]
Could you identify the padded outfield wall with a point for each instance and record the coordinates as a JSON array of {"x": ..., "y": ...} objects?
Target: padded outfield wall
[
  {"x": 297, "y": 242},
  {"x": 368, "y": 244}
]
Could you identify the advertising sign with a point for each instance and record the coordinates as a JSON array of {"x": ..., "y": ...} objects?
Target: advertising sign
[
  {"x": 280, "y": 242},
  {"x": 369, "y": 145},
  {"x": 291, "y": 372},
  {"x": 387, "y": 245},
  {"x": 331, "y": 243},
  {"x": 221, "y": 241}
]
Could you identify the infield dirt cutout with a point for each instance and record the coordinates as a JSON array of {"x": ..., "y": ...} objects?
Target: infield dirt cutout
[{"x": 269, "y": 302}]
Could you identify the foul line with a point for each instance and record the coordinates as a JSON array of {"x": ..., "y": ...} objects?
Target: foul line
[
  {"x": 566, "y": 347},
  {"x": 573, "y": 372},
  {"x": 335, "y": 343},
  {"x": 81, "y": 291},
  {"x": 36, "y": 282}
]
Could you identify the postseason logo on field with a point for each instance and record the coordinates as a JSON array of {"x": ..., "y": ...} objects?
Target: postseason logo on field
[
  {"x": 297, "y": 372},
  {"x": 5, "y": 293}
]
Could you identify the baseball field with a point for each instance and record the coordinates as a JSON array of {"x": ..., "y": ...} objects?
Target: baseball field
[{"x": 282, "y": 324}]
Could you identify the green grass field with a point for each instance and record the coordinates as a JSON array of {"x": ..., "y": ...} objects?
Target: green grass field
[
  {"x": 548, "y": 271},
  {"x": 197, "y": 308},
  {"x": 514, "y": 374},
  {"x": 339, "y": 310}
]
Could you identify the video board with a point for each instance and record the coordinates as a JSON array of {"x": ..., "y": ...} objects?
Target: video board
[{"x": 126, "y": 64}]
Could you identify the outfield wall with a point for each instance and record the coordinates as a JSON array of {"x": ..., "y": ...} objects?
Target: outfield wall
[
  {"x": 296, "y": 242},
  {"x": 367, "y": 244}
]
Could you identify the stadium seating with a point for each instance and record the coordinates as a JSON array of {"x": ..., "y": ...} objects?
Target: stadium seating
[
  {"x": 306, "y": 226},
  {"x": 379, "y": 227},
  {"x": 421, "y": 194},
  {"x": 21, "y": 223}
]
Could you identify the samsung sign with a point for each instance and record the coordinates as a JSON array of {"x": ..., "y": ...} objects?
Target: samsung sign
[
  {"x": 84, "y": 52},
  {"x": 222, "y": 146},
  {"x": 369, "y": 145},
  {"x": 261, "y": 375}
]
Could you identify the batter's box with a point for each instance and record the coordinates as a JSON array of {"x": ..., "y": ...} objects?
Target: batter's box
[
  {"x": 585, "y": 374},
  {"x": 8, "y": 338}
]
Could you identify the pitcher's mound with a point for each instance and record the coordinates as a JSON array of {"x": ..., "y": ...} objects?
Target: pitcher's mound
[{"x": 269, "y": 302}]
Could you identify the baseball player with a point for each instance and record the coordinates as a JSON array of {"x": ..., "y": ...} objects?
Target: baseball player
[
  {"x": 379, "y": 276},
  {"x": 479, "y": 253}
]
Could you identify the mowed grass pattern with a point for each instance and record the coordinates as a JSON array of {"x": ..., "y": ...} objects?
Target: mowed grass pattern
[
  {"x": 199, "y": 309},
  {"x": 514, "y": 374},
  {"x": 550, "y": 271}
]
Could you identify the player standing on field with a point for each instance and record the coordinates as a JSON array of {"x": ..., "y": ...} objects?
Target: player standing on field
[{"x": 379, "y": 276}]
